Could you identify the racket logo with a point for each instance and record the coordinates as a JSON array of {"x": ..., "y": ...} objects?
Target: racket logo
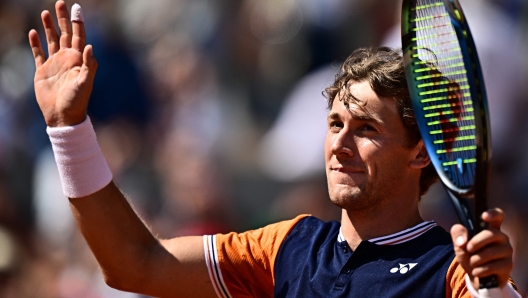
[{"x": 404, "y": 268}]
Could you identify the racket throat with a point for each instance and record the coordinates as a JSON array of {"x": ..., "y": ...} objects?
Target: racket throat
[{"x": 464, "y": 212}]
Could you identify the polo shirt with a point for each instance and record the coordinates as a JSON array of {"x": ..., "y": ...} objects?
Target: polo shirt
[{"x": 307, "y": 257}]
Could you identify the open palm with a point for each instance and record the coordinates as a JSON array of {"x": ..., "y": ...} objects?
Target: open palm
[{"x": 64, "y": 81}]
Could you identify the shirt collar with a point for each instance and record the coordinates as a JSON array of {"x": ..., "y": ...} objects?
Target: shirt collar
[{"x": 399, "y": 237}]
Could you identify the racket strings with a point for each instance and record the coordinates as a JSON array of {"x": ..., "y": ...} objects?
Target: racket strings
[{"x": 443, "y": 89}]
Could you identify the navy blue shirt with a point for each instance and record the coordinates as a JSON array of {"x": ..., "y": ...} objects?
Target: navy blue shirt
[
  {"x": 315, "y": 261},
  {"x": 306, "y": 257}
]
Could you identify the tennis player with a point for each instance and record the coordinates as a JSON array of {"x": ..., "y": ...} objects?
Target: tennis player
[{"x": 377, "y": 169}]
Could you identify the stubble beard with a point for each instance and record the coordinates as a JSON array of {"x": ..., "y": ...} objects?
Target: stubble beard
[
  {"x": 368, "y": 196},
  {"x": 353, "y": 198}
]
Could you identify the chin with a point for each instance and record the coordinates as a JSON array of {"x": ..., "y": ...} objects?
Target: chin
[
  {"x": 352, "y": 198},
  {"x": 345, "y": 197}
]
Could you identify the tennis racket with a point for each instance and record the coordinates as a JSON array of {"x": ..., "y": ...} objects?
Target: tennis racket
[{"x": 449, "y": 100}]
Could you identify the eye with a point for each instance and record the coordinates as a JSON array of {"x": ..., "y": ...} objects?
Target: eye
[
  {"x": 367, "y": 127},
  {"x": 335, "y": 125}
]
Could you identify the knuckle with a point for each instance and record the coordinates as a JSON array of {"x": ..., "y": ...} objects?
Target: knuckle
[
  {"x": 505, "y": 238},
  {"x": 462, "y": 259},
  {"x": 475, "y": 260},
  {"x": 477, "y": 271},
  {"x": 502, "y": 239}
]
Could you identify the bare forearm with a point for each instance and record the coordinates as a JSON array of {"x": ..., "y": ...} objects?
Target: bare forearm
[
  {"x": 130, "y": 257},
  {"x": 116, "y": 235}
]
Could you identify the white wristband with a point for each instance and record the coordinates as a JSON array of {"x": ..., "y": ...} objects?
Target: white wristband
[
  {"x": 506, "y": 292},
  {"x": 82, "y": 167}
]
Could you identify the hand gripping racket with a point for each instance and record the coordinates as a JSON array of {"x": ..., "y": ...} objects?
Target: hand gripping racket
[{"x": 449, "y": 101}]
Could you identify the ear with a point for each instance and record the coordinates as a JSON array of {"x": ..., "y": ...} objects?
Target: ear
[{"x": 420, "y": 158}]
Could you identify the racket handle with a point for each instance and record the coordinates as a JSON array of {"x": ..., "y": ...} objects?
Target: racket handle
[
  {"x": 489, "y": 287},
  {"x": 489, "y": 282}
]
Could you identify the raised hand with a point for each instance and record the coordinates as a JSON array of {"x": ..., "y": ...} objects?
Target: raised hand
[
  {"x": 487, "y": 253},
  {"x": 64, "y": 81}
]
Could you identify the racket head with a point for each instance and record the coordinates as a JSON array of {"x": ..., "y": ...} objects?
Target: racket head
[
  {"x": 448, "y": 94},
  {"x": 449, "y": 100}
]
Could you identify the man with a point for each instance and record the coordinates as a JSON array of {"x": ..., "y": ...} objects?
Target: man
[{"x": 376, "y": 168}]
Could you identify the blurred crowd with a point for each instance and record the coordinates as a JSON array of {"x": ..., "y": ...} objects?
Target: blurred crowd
[{"x": 211, "y": 117}]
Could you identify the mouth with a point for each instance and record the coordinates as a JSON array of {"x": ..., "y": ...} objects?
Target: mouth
[{"x": 342, "y": 169}]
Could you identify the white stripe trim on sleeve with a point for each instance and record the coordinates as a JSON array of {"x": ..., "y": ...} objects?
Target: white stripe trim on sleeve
[{"x": 213, "y": 267}]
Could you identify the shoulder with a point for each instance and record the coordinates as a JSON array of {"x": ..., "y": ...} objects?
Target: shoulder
[
  {"x": 312, "y": 228},
  {"x": 303, "y": 226},
  {"x": 310, "y": 239},
  {"x": 434, "y": 247},
  {"x": 273, "y": 232}
]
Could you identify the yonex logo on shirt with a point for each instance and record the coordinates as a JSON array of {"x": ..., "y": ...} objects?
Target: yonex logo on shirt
[{"x": 404, "y": 268}]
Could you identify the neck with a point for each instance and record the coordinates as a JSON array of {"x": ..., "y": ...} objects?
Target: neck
[{"x": 357, "y": 226}]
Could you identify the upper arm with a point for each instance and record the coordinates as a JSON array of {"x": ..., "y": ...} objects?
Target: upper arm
[
  {"x": 241, "y": 265},
  {"x": 176, "y": 268}
]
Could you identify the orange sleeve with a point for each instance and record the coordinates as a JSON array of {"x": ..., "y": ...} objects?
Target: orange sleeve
[
  {"x": 455, "y": 282},
  {"x": 242, "y": 265}
]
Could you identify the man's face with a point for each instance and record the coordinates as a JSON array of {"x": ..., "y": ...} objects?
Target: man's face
[{"x": 366, "y": 151}]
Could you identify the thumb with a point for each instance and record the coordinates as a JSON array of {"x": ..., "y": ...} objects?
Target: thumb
[
  {"x": 494, "y": 218},
  {"x": 89, "y": 66},
  {"x": 459, "y": 235}
]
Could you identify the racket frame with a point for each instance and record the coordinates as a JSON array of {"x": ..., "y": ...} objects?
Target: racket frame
[
  {"x": 478, "y": 192},
  {"x": 471, "y": 202}
]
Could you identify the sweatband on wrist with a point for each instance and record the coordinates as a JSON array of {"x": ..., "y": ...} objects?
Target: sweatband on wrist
[
  {"x": 505, "y": 292},
  {"x": 82, "y": 167}
]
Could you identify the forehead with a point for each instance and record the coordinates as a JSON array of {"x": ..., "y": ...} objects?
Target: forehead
[{"x": 365, "y": 103}]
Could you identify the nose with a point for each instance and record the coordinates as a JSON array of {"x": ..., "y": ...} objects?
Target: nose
[{"x": 342, "y": 144}]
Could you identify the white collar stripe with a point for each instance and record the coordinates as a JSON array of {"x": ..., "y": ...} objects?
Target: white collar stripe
[
  {"x": 399, "y": 237},
  {"x": 402, "y": 234},
  {"x": 407, "y": 237}
]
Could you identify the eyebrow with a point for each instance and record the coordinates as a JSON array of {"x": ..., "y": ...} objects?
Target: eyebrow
[{"x": 364, "y": 117}]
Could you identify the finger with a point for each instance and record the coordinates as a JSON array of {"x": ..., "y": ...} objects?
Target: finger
[
  {"x": 36, "y": 48},
  {"x": 485, "y": 238},
  {"x": 494, "y": 218},
  {"x": 89, "y": 66},
  {"x": 491, "y": 254},
  {"x": 499, "y": 268},
  {"x": 79, "y": 34},
  {"x": 63, "y": 19},
  {"x": 51, "y": 33}
]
